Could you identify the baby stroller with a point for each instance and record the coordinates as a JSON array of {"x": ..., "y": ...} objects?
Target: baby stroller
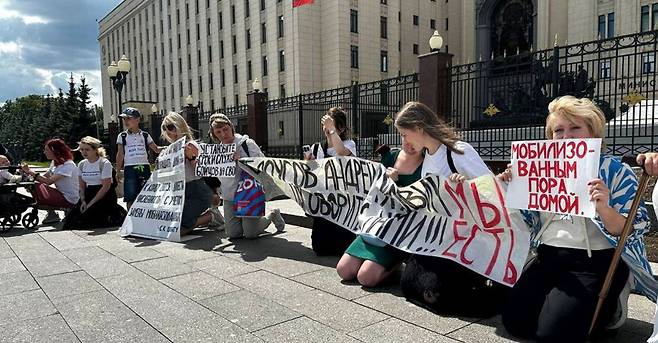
[{"x": 12, "y": 206}]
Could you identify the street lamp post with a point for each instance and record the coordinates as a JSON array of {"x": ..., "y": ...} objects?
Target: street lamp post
[{"x": 118, "y": 72}]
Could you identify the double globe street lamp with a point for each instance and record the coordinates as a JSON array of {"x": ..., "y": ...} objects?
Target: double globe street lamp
[{"x": 118, "y": 71}]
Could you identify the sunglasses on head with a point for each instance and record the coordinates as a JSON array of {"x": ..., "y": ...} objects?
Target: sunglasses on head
[{"x": 170, "y": 127}]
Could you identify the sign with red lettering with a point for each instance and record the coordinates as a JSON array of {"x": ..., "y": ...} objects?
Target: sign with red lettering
[
  {"x": 466, "y": 222},
  {"x": 552, "y": 175}
]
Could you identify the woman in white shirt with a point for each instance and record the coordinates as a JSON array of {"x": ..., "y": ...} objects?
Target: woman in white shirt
[
  {"x": 63, "y": 173},
  {"x": 439, "y": 283},
  {"x": 328, "y": 238},
  {"x": 198, "y": 196},
  {"x": 98, "y": 198}
]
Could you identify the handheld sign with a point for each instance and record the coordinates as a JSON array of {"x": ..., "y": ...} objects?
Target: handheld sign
[
  {"x": 157, "y": 211},
  {"x": 552, "y": 175},
  {"x": 216, "y": 160}
]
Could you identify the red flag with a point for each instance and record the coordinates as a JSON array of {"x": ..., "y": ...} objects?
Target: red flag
[{"x": 297, "y": 3}]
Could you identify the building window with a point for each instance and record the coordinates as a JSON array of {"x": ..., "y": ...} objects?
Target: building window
[
  {"x": 415, "y": 49},
  {"x": 196, "y": 7},
  {"x": 282, "y": 91},
  {"x": 282, "y": 60},
  {"x": 209, "y": 54},
  {"x": 212, "y": 85},
  {"x": 354, "y": 56},
  {"x": 280, "y": 27},
  {"x": 198, "y": 55},
  {"x": 246, "y": 8},
  {"x": 249, "y": 76},
  {"x": 248, "y": 39},
  {"x": 209, "y": 28},
  {"x": 221, "y": 21},
  {"x": 605, "y": 69},
  {"x": 235, "y": 73},
  {"x": 432, "y": 24},
  {"x": 383, "y": 61},
  {"x": 446, "y": 28},
  {"x": 649, "y": 63},
  {"x": 236, "y": 99},
  {"x": 262, "y": 5},
  {"x": 198, "y": 32},
  {"x": 264, "y": 66},
  {"x": 383, "y": 27},
  {"x": 200, "y": 85},
  {"x": 223, "y": 102},
  {"x": 611, "y": 25},
  {"x": 221, "y": 49},
  {"x": 644, "y": 18},
  {"x": 232, "y": 14},
  {"x": 354, "y": 21},
  {"x": 222, "y": 78},
  {"x": 654, "y": 16},
  {"x": 234, "y": 45},
  {"x": 602, "y": 26},
  {"x": 415, "y": 20},
  {"x": 263, "y": 33}
]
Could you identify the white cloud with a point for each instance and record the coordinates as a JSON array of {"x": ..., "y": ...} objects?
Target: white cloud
[
  {"x": 11, "y": 48},
  {"x": 6, "y": 13}
]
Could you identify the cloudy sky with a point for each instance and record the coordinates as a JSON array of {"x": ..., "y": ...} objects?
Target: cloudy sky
[{"x": 42, "y": 42}]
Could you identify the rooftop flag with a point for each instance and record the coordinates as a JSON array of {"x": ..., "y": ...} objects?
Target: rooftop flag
[{"x": 297, "y": 3}]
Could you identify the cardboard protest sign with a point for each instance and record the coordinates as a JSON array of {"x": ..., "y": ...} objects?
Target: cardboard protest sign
[
  {"x": 552, "y": 175},
  {"x": 215, "y": 160},
  {"x": 466, "y": 222},
  {"x": 157, "y": 211}
]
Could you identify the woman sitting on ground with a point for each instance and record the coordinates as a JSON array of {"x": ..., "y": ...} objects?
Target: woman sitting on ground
[
  {"x": 98, "y": 206},
  {"x": 63, "y": 173},
  {"x": 198, "y": 196},
  {"x": 368, "y": 259},
  {"x": 559, "y": 290}
]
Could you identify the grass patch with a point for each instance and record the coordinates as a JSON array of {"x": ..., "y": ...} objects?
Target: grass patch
[{"x": 38, "y": 164}]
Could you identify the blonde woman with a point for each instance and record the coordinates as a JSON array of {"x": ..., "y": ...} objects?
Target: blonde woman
[
  {"x": 559, "y": 291},
  {"x": 198, "y": 196},
  {"x": 97, "y": 206}
]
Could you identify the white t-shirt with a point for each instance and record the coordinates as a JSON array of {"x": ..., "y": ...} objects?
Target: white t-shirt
[
  {"x": 6, "y": 176},
  {"x": 568, "y": 231},
  {"x": 331, "y": 152},
  {"x": 69, "y": 185},
  {"x": 91, "y": 172},
  {"x": 469, "y": 163},
  {"x": 134, "y": 153}
]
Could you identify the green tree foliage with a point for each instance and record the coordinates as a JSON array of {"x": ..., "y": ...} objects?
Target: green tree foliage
[{"x": 27, "y": 122}]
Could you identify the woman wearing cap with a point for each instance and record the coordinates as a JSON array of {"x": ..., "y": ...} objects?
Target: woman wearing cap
[
  {"x": 98, "y": 198},
  {"x": 222, "y": 130},
  {"x": 198, "y": 196}
]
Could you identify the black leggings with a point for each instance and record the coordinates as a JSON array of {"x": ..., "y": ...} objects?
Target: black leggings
[{"x": 555, "y": 299}]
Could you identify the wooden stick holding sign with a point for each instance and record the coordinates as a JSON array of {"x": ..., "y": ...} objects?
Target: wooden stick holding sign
[{"x": 628, "y": 226}]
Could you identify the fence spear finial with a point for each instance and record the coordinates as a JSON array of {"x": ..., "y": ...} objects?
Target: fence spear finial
[
  {"x": 492, "y": 55},
  {"x": 531, "y": 48},
  {"x": 480, "y": 59},
  {"x": 555, "y": 41}
]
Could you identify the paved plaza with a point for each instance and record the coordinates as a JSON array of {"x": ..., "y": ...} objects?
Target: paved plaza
[{"x": 94, "y": 286}]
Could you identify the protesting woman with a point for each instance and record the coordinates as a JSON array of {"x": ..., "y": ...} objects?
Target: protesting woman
[
  {"x": 439, "y": 283},
  {"x": 559, "y": 290},
  {"x": 63, "y": 173},
  {"x": 237, "y": 227},
  {"x": 98, "y": 198},
  {"x": 328, "y": 238},
  {"x": 368, "y": 259},
  {"x": 198, "y": 196}
]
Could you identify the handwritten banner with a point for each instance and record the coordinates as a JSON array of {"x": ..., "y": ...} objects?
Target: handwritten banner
[
  {"x": 157, "y": 211},
  {"x": 215, "y": 160},
  {"x": 465, "y": 222},
  {"x": 552, "y": 175}
]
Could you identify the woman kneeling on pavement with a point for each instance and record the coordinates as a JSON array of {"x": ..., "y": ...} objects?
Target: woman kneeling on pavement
[
  {"x": 63, "y": 173},
  {"x": 555, "y": 298},
  {"x": 237, "y": 227},
  {"x": 98, "y": 206},
  {"x": 198, "y": 196},
  {"x": 368, "y": 259}
]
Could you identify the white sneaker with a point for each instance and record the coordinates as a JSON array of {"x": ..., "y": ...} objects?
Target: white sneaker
[
  {"x": 277, "y": 219},
  {"x": 621, "y": 313},
  {"x": 51, "y": 218}
]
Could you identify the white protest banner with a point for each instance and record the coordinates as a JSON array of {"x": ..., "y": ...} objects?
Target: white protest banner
[
  {"x": 157, "y": 211},
  {"x": 465, "y": 222},
  {"x": 215, "y": 160},
  {"x": 552, "y": 175}
]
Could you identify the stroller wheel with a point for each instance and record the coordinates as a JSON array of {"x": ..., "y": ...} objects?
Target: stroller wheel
[
  {"x": 6, "y": 225},
  {"x": 15, "y": 219},
  {"x": 30, "y": 220}
]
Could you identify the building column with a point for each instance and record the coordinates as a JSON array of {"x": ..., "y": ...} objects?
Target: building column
[{"x": 257, "y": 118}]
